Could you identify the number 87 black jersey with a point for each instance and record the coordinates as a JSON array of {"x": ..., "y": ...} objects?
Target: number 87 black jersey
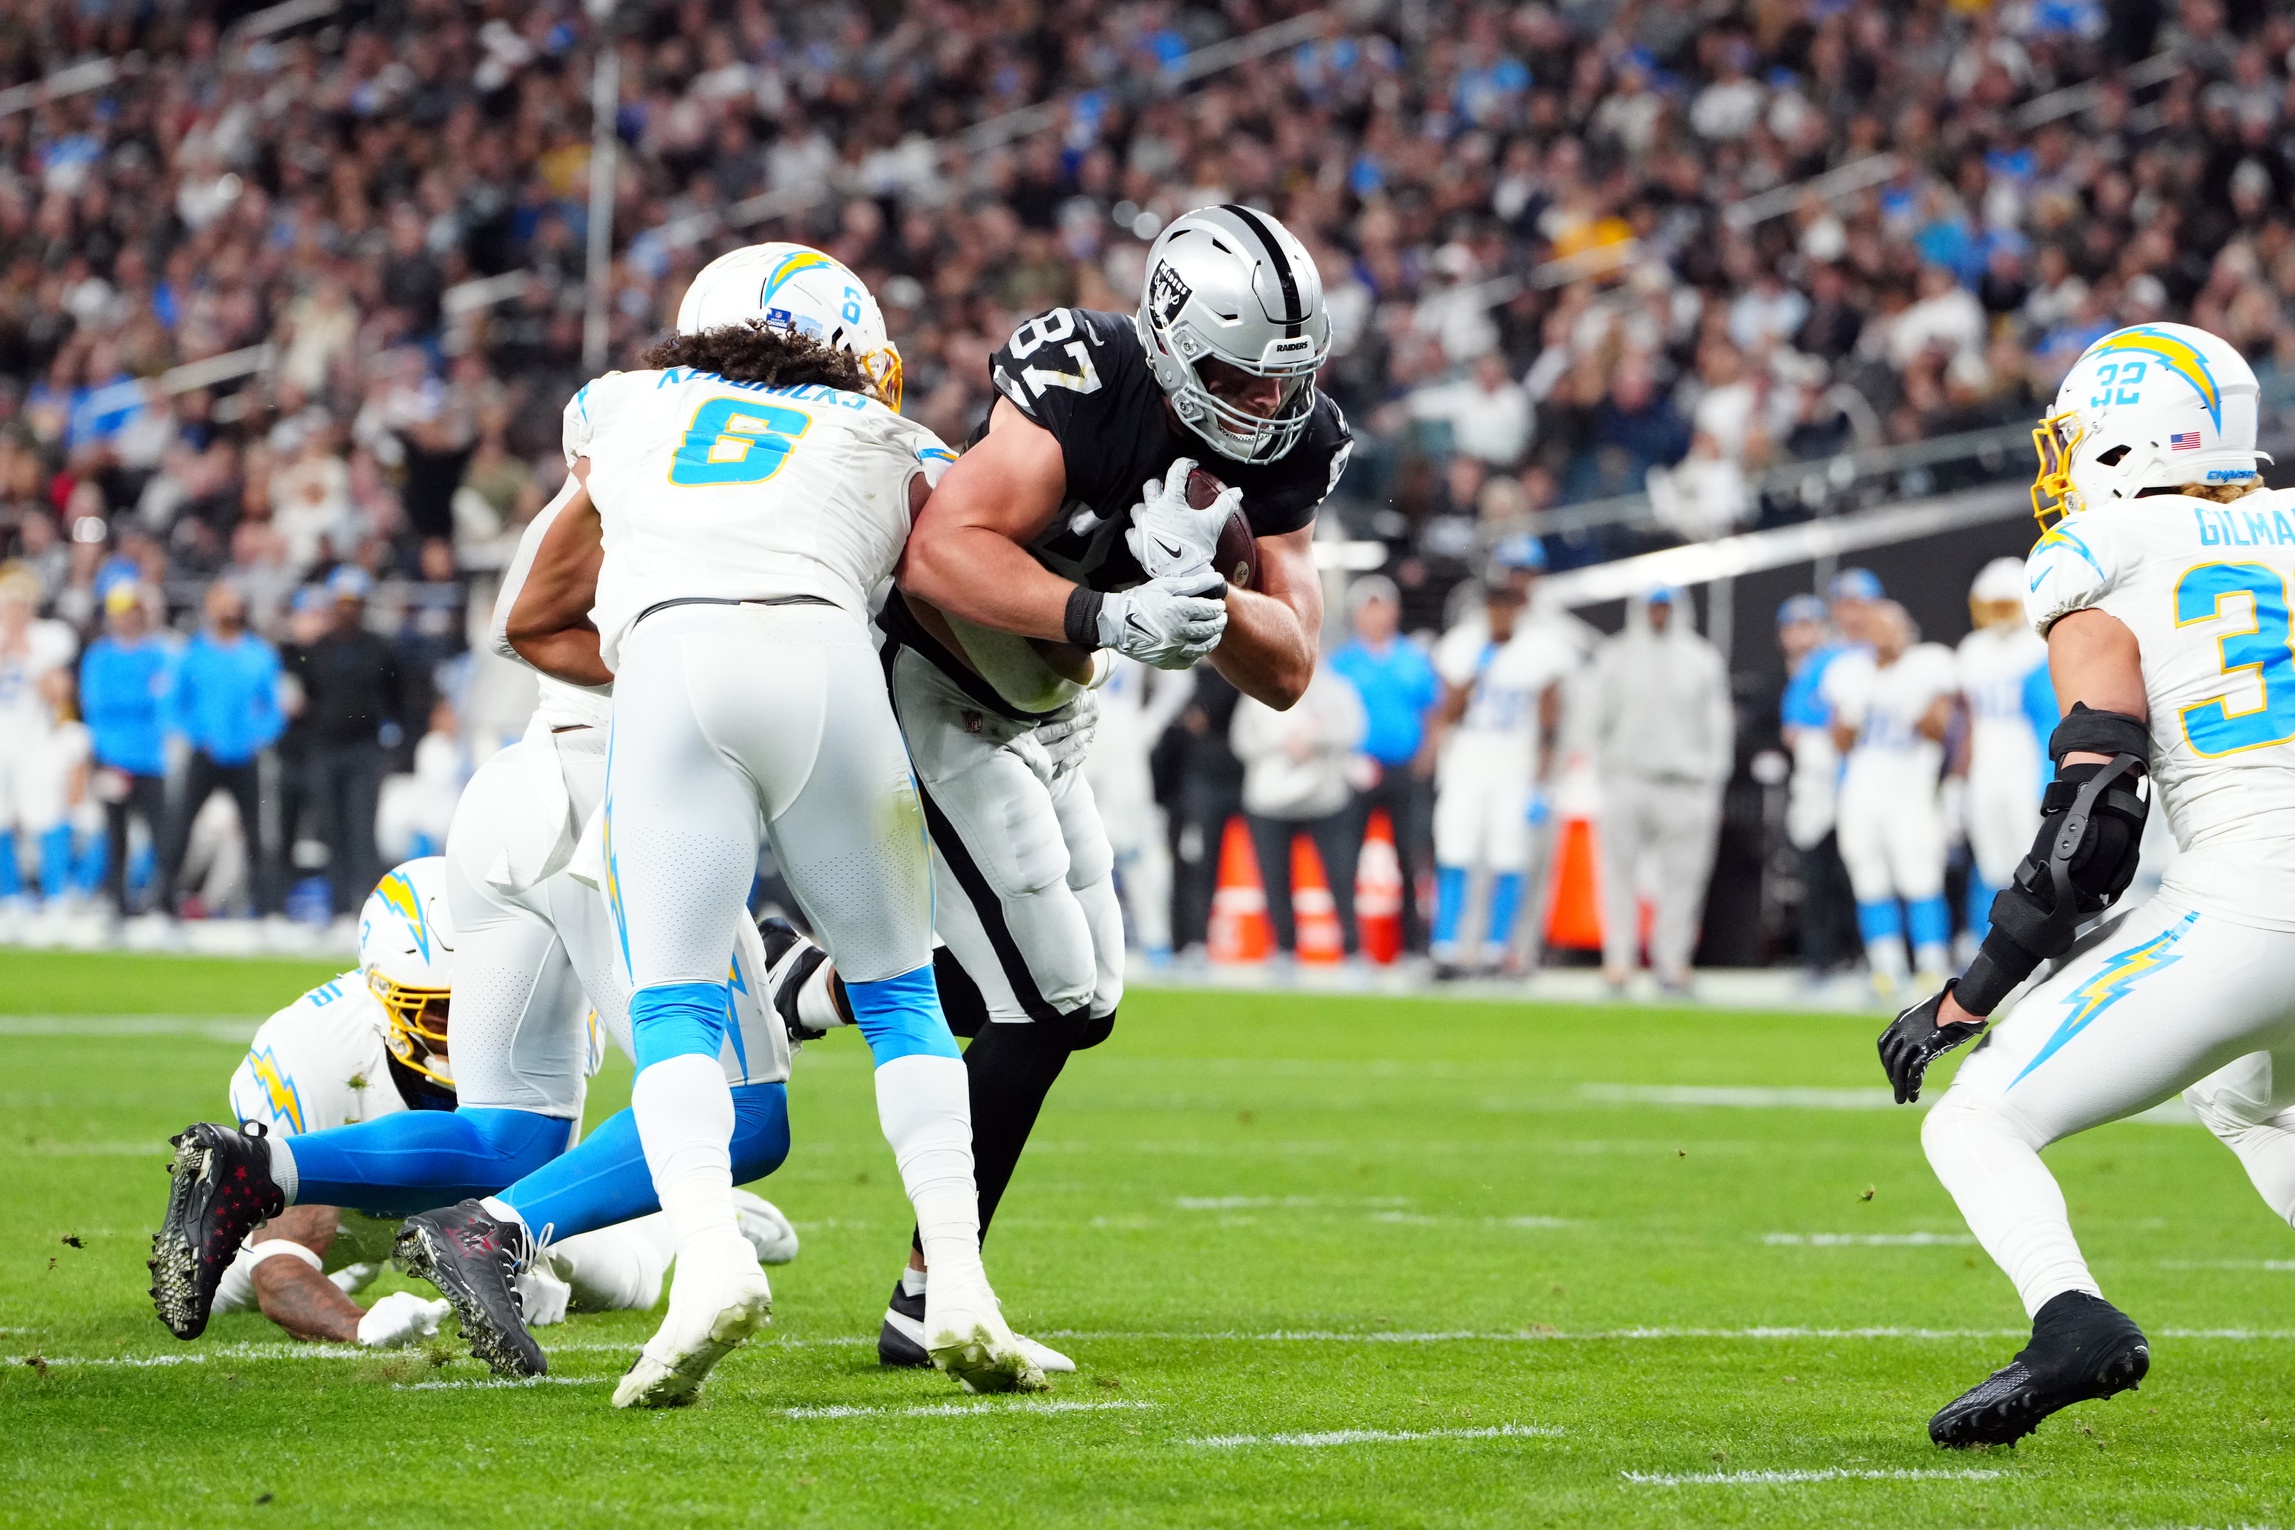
[{"x": 1084, "y": 377}]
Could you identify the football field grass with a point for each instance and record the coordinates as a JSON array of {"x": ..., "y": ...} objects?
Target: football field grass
[{"x": 1320, "y": 1260}]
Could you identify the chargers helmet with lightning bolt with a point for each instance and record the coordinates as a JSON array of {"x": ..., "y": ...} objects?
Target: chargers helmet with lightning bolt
[
  {"x": 796, "y": 288},
  {"x": 406, "y": 954},
  {"x": 2152, "y": 407}
]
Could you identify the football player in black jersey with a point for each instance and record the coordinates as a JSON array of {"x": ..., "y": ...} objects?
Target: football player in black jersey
[{"x": 1066, "y": 528}]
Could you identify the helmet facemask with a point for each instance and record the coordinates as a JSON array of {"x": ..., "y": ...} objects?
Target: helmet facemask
[
  {"x": 1235, "y": 430},
  {"x": 418, "y": 1019},
  {"x": 2053, "y": 497}
]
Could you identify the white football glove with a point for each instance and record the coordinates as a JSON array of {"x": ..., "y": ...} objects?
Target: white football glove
[
  {"x": 1173, "y": 541},
  {"x": 399, "y": 1319},
  {"x": 1066, "y": 735},
  {"x": 542, "y": 1296},
  {"x": 1159, "y": 626}
]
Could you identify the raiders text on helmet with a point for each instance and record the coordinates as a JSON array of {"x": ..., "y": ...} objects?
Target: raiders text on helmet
[
  {"x": 1230, "y": 284},
  {"x": 796, "y": 288},
  {"x": 2156, "y": 406}
]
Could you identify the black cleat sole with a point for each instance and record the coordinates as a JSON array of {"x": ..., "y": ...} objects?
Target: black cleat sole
[
  {"x": 2019, "y": 1409},
  {"x": 505, "y": 1354},
  {"x": 217, "y": 1193},
  {"x": 174, "y": 1266}
]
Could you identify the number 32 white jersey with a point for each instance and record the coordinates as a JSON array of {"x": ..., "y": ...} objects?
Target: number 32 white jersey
[
  {"x": 735, "y": 491},
  {"x": 2205, "y": 589}
]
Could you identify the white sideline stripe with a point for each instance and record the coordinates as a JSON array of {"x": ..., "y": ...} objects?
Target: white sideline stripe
[
  {"x": 962, "y": 1410},
  {"x": 1864, "y": 1240},
  {"x": 1828, "y": 1474},
  {"x": 99, "y": 1149},
  {"x": 1258, "y": 1202},
  {"x": 494, "y": 1383},
  {"x": 1373, "y": 1437},
  {"x": 302, "y": 1352},
  {"x": 1741, "y": 1098},
  {"x": 206, "y": 1027}
]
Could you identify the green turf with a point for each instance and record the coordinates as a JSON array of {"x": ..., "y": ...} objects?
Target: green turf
[{"x": 1226, "y": 1209}]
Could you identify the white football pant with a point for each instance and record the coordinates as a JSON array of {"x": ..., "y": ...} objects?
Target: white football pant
[
  {"x": 1668, "y": 828},
  {"x": 2164, "y": 999}
]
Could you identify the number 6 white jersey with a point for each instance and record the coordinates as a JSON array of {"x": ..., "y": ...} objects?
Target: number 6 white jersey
[
  {"x": 2205, "y": 588},
  {"x": 736, "y": 491}
]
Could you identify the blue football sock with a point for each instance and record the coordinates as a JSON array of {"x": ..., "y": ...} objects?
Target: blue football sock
[
  {"x": 56, "y": 861},
  {"x": 418, "y": 1160},
  {"x": 603, "y": 1180},
  {"x": 674, "y": 1019},
  {"x": 89, "y": 877},
  {"x": 1505, "y": 908},
  {"x": 11, "y": 872},
  {"x": 901, "y": 1016},
  {"x": 1929, "y": 922},
  {"x": 1449, "y": 905},
  {"x": 1980, "y": 896},
  {"x": 1881, "y": 920}
]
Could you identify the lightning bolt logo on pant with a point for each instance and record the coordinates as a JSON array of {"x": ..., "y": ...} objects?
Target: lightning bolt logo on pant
[{"x": 2108, "y": 985}]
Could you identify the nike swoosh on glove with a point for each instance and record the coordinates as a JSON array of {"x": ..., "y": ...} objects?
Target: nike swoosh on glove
[
  {"x": 1914, "y": 1039},
  {"x": 1173, "y": 541},
  {"x": 1161, "y": 627},
  {"x": 1066, "y": 735},
  {"x": 399, "y": 1319}
]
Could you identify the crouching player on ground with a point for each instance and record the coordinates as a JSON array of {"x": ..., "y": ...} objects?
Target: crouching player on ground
[
  {"x": 374, "y": 1042},
  {"x": 2162, "y": 592}
]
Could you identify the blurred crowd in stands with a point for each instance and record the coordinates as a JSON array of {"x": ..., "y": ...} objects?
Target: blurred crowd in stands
[{"x": 1573, "y": 252}]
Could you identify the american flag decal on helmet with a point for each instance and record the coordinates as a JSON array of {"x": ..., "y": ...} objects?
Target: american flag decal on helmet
[{"x": 2184, "y": 441}]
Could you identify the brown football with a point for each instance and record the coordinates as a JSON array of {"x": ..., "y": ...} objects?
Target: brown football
[{"x": 1237, "y": 556}]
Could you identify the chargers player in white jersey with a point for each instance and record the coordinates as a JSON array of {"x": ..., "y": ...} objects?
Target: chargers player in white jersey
[
  {"x": 2003, "y": 669},
  {"x": 1891, "y": 706},
  {"x": 742, "y": 498},
  {"x": 381, "y": 1040},
  {"x": 2162, "y": 591},
  {"x": 1494, "y": 741},
  {"x": 29, "y": 648}
]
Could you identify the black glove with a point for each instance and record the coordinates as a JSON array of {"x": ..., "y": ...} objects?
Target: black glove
[{"x": 1914, "y": 1040}]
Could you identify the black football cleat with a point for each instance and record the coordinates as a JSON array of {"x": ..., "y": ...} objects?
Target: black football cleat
[
  {"x": 2082, "y": 1347},
  {"x": 474, "y": 1259},
  {"x": 219, "y": 1191},
  {"x": 901, "y": 1340}
]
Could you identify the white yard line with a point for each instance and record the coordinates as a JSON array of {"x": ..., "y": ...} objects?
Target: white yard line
[
  {"x": 1827, "y": 1474},
  {"x": 1327, "y": 1438},
  {"x": 963, "y": 1410},
  {"x": 498, "y": 1383},
  {"x": 1865, "y": 1240},
  {"x": 205, "y": 1027}
]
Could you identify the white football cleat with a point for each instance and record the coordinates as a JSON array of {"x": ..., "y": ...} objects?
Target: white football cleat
[
  {"x": 966, "y": 1335},
  {"x": 715, "y": 1304},
  {"x": 1047, "y": 1359},
  {"x": 768, "y": 1232}
]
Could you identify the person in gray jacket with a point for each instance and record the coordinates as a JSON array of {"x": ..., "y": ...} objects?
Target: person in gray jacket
[{"x": 1665, "y": 735}]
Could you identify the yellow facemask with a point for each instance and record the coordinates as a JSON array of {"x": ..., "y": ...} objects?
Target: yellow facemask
[
  {"x": 2052, "y": 495},
  {"x": 883, "y": 367},
  {"x": 417, "y": 1031}
]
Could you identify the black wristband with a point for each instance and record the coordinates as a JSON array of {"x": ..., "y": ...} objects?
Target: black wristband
[
  {"x": 1999, "y": 966},
  {"x": 1082, "y": 619}
]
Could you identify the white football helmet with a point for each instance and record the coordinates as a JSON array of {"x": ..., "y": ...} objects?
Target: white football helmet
[
  {"x": 799, "y": 289},
  {"x": 406, "y": 953},
  {"x": 1230, "y": 284},
  {"x": 1997, "y": 593},
  {"x": 2155, "y": 406}
]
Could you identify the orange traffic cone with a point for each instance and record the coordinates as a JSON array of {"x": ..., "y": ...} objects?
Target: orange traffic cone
[
  {"x": 1239, "y": 929},
  {"x": 1379, "y": 891},
  {"x": 1574, "y": 921},
  {"x": 1314, "y": 912}
]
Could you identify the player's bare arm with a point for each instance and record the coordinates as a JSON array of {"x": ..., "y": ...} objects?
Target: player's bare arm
[
  {"x": 1269, "y": 651},
  {"x": 967, "y": 554},
  {"x": 548, "y": 624},
  {"x": 294, "y": 1293}
]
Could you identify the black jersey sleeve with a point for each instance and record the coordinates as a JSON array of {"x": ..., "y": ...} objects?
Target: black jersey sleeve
[
  {"x": 1281, "y": 496},
  {"x": 1082, "y": 376}
]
